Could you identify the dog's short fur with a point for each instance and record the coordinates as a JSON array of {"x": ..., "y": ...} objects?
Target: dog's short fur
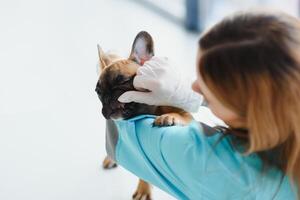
[{"x": 116, "y": 78}]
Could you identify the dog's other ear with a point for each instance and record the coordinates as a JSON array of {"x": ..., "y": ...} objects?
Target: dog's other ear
[
  {"x": 142, "y": 48},
  {"x": 104, "y": 60}
]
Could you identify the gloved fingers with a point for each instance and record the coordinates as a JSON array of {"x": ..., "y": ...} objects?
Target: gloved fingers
[
  {"x": 156, "y": 60},
  {"x": 154, "y": 65},
  {"x": 151, "y": 70},
  {"x": 147, "y": 70},
  {"x": 145, "y": 83},
  {"x": 137, "y": 96}
]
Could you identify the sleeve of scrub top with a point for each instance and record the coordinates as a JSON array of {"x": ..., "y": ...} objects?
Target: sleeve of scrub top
[{"x": 185, "y": 162}]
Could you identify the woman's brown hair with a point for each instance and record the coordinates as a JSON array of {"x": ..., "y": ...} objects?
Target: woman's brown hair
[{"x": 251, "y": 62}]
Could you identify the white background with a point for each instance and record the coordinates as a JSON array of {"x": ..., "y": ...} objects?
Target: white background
[{"x": 51, "y": 127}]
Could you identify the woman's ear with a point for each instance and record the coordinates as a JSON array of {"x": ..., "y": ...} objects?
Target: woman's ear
[
  {"x": 196, "y": 87},
  {"x": 142, "y": 48}
]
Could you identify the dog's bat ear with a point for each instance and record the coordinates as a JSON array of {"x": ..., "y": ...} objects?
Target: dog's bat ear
[
  {"x": 142, "y": 48},
  {"x": 105, "y": 59}
]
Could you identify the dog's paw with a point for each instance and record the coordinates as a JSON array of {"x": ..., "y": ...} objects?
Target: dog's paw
[
  {"x": 139, "y": 196},
  {"x": 170, "y": 119},
  {"x": 108, "y": 163},
  {"x": 165, "y": 120},
  {"x": 143, "y": 191}
]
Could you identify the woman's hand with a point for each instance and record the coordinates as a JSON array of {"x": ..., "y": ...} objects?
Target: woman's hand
[{"x": 160, "y": 84}]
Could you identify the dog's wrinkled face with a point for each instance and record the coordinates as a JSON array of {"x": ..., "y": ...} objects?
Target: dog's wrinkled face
[
  {"x": 114, "y": 81},
  {"x": 117, "y": 77}
]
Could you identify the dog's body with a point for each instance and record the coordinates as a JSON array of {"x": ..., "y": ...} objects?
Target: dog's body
[{"x": 115, "y": 79}]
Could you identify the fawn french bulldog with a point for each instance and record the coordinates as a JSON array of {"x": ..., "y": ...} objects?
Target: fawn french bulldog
[{"x": 116, "y": 77}]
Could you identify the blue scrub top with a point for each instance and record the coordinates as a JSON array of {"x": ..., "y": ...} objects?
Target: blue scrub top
[{"x": 186, "y": 163}]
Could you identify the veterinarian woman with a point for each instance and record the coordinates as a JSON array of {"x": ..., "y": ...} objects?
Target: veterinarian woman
[{"x": 248, "y": 70}]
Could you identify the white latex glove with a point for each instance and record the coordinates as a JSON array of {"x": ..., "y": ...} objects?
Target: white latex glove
[{"x": 165, "y": 87}]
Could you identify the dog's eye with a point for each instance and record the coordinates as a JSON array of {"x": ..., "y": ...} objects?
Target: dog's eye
[{"x": 120, "y": 79}]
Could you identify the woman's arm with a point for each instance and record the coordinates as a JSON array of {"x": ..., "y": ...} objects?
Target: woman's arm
[
  {"x": 163, "y": 156},
  {"x": 186, "y": 161},
  {"x": 146, "y": 150}
]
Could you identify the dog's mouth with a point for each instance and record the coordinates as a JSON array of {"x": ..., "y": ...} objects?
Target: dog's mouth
[{"x": 122, "y": 111}]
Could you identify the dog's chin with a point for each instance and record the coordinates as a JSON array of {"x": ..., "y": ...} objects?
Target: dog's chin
[
  {"x": 120, "y": 114},
  {"x": 129, "y": 110}
]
